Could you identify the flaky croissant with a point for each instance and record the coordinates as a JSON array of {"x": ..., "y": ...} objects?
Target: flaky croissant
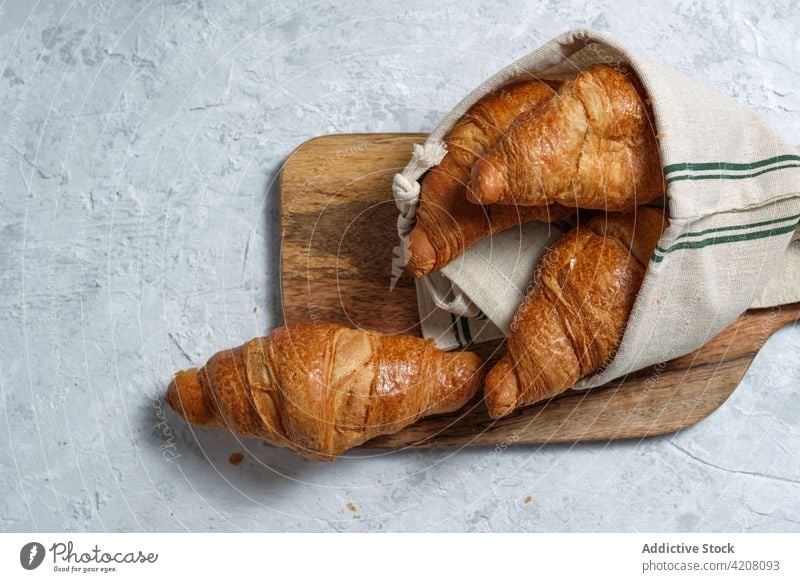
[
  {"x": 572, "y": 321},
  {"x": 591, "y": 146},
  {"x": 319, "y": 388},
  {"x": 446, "y": 224}
]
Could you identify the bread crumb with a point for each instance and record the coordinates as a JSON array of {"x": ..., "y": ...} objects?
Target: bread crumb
[
  {"x": 351, "y": 507},
  {"x": 235, "y": 458},
  {"x": 528, "y": 499}
]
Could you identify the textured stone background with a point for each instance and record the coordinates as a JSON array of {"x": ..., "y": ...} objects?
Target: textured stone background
[{"x": 139, "y": 235}]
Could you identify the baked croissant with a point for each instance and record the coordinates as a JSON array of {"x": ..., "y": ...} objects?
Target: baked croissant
[
  {"x": 446, "y": 224},
  {"x": 319, "y": 388},
  {"x": 572, "y": 321},
  {"x": 591, "y": 146}
]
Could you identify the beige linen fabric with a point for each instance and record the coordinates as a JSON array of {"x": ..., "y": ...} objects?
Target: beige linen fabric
[{"x": 733, "y": 191}]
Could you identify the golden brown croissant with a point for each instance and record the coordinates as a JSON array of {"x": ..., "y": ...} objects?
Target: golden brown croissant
[
  {"x": 446, "y": 224},
  {"x": 590, "y": 146},
  {"x": 572, "y": 321},
  {"x": 319, "y": 388}
]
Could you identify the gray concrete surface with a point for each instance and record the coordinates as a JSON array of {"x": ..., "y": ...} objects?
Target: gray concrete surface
[{"x": 139, "y": 235}]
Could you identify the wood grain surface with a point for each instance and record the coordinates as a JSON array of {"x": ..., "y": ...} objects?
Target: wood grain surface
[{"x": 339, "y": 258}]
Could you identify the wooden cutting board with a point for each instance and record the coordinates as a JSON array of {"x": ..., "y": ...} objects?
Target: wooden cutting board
[{"x": 338, "y": 257}]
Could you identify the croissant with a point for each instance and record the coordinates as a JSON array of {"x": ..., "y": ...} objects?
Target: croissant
[
  {"x": 446, "y": 224},
  {"x": 590, "y": 146},
  {"x": 319, "y": 388},
  {"x": 572, "y": 321}
]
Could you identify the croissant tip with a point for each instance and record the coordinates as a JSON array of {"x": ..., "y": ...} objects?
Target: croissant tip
[
  {"x": 421, "y": 254},
  {"x": 501, "y": 390},
  {"x": 185, "y": 396},
  {"x": 418, "y": 269},
  {"x": 499, "y": 409},
  {"x": 487, "y": 183}
]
